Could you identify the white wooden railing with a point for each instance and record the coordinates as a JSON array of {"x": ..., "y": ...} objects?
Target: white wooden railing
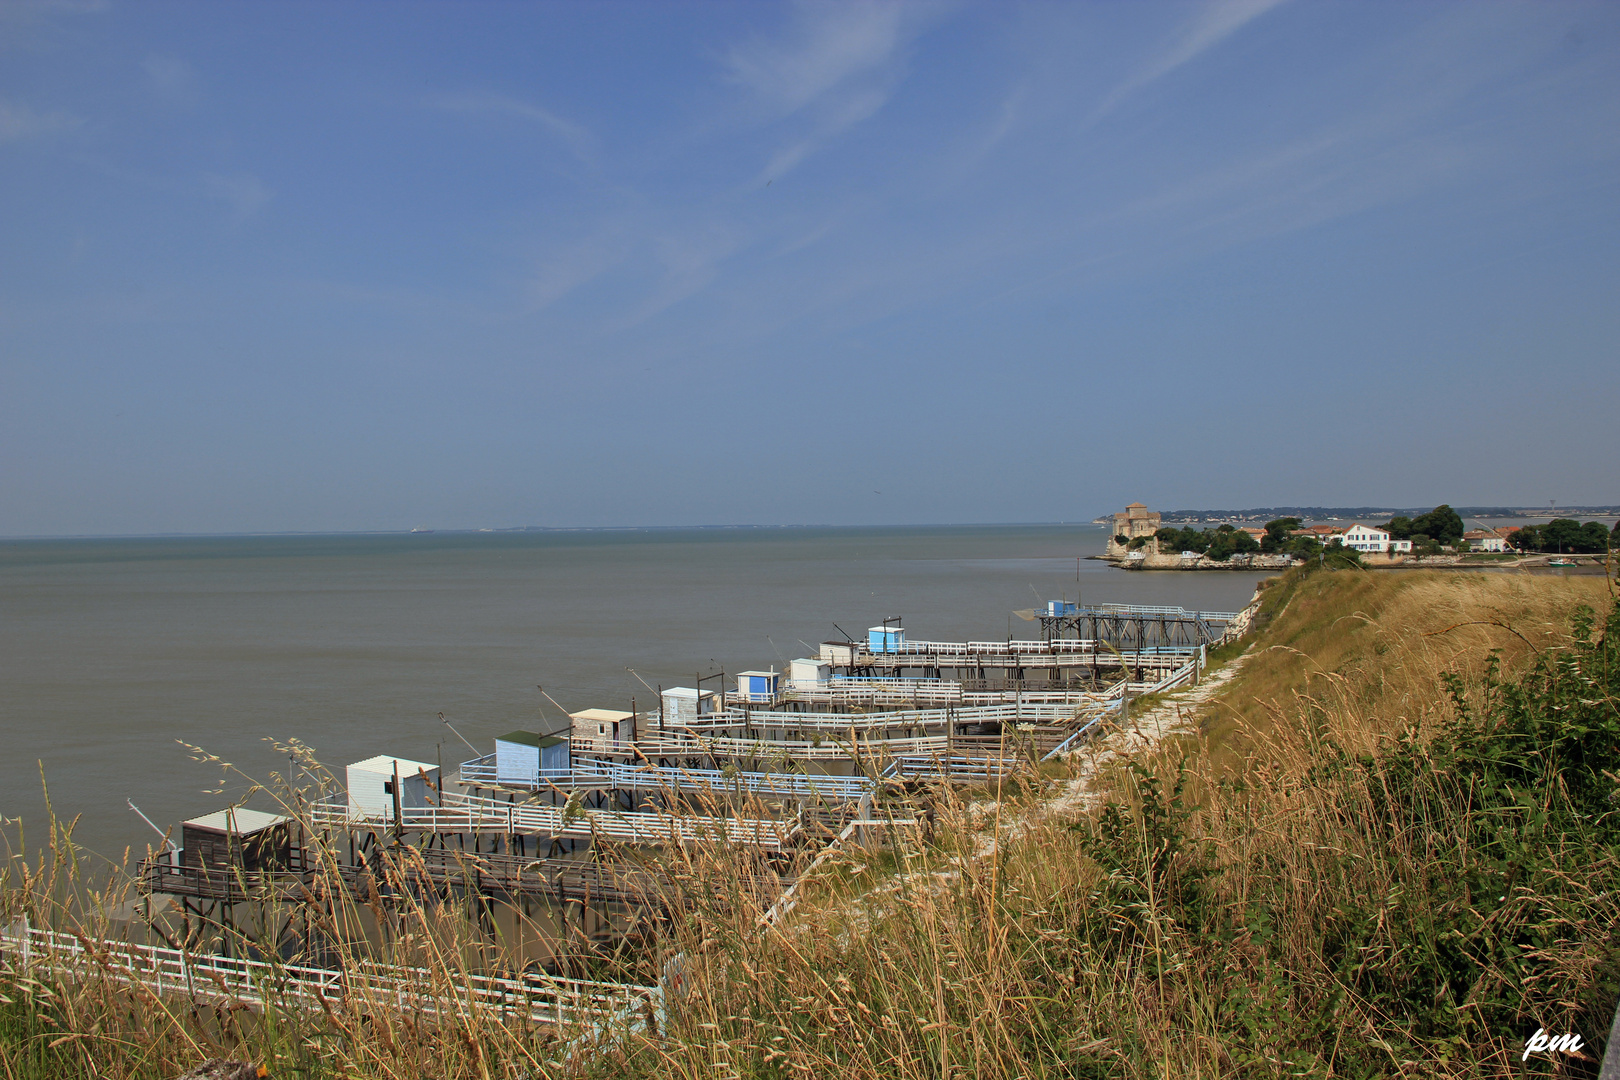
[
  {"x": 535, "y": 997},
  {"x": 1063, "y": 650},
  {"x": 457, "y": 813},
  {"x": 1040, "y": 712},
  {"x": 608, "y": 774}
]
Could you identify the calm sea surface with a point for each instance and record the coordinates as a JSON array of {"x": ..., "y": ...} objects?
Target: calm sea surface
[{"x": 112, "y": 650}]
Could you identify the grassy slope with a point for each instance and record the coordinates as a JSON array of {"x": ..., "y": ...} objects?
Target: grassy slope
[
  {"x": 1286, "y": 921},
  {"x": 1361, "y": 652},
  {"x": 1271, "y": 930}
]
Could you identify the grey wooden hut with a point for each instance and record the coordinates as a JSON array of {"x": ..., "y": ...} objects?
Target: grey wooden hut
[{"x": 237, "y": 839}]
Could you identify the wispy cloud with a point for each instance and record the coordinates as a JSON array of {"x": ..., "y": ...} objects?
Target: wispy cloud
[
  {"x": 850, "y": 110},
  {"x": 836, "y": 67},
  {"x": 830, "y": 44},
  {"x": 575, "y": 265},
  {"x": 1213, "y": 25},
  {"x": 242, "y": 193},
  {"x": 689, "y": 261},
  {"x": 33, "y": 11},
  {"x": 578, "y": 139},
  {"x": 19, "y": 121},
  {"x": 171, "y": 77}
]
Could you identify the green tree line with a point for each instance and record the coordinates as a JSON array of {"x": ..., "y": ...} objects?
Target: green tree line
[{"x": 1567, "y": 535}]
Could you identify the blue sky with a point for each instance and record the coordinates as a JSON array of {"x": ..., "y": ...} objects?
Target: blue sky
[{"x": 373, "y": 266}]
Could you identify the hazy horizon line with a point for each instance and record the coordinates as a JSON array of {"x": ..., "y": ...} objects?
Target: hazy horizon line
[
  {"x": 481, "y": 530},
  {"x": 1600, "y": 509}
]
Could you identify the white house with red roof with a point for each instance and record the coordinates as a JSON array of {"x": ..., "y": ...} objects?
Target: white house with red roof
[
  {"x": 1486, "y": 539},
  {"x": 1366, "y": 538}
]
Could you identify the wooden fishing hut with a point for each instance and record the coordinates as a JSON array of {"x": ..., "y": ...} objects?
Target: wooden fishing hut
[
  {"x": 681, "y": 706},
  {"x": 237, "y": 839},
  {"x": 602, "y": 731}
]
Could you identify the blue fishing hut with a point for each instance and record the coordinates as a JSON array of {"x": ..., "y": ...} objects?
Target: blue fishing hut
[
  {"x": 758, "y": 686},
  {"x": 885, "y": 639}
]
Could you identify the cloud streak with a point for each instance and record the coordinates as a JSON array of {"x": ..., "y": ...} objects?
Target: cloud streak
[
  {"x": 831, "y": 44},
  {"x": 1214, "y": 25},
  {"x": 575, "y": 266},
  {"x": 577, "y": 138},
  {"x": 242, "y": 193},
  {"x": 171, "y": 78},
  {"x": 19, "y": 122},
  {"x": 836, "y": 68}
]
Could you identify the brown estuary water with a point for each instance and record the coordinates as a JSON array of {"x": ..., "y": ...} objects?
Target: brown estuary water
[{"x": 112, "y": 651}]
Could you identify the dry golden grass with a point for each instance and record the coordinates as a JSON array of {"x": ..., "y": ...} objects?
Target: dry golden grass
[{"x": 1360, "y": 653}]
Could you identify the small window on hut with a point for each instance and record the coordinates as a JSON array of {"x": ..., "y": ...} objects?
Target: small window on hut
[{"x": 388, "y": 787}]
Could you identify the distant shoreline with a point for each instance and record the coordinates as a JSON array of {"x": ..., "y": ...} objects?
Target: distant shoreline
[
  {"x": 535, "y": 529},
  {"x": 1534, "y": 561},
  {"x": 1350, "y": 513}
]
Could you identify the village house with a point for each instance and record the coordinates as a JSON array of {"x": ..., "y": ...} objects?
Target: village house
[
  {"x": 1485, "y": 540},
  {"x": 1366, "y": 538},
  {"x": 1323, "y": 534},
  {"x": 1361, "y": 537}
]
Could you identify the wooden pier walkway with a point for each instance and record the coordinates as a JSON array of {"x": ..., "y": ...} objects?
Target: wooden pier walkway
[
  {"x": 457, "y": 813},
  {"x": 978, "y": 656},
  {"x": 423, "y": 870},
  {"x": 844, "y": 692},
  {"x": 567, "y": 1004},
  {"x": 1128, "y": 627},
  {"x": 1038, "y": 712},
  {"x": 588, "y": 774}
]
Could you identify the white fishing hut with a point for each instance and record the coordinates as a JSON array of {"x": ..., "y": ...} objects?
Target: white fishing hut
[
  {"x": 524, "y": 757},
  {"x": 373, "y": 782},
  {"x": 841, "y": 653},
  {"x": 806, "y": 671}
]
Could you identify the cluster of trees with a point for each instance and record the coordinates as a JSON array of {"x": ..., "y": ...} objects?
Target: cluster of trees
[
  {"x": 1280, "y": 539},
  {"x": 1440, "y": 527},
  {"x": 1221, "y": 543},
  {"x": 1218, "y": 544},
  {"x": 1567, "y": 535}
]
